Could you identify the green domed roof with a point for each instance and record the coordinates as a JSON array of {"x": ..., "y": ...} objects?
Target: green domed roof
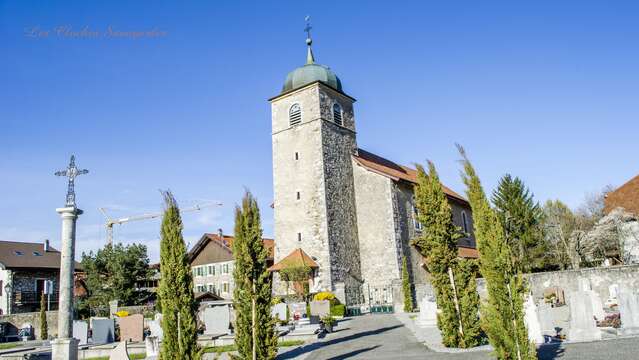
[{"x": 310, "y": 73}]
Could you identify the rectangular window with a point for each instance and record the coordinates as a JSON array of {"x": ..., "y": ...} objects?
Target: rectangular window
[
  {"x": 225, "y": 287},
  {"x": 298, "y": 195},
  {"x": 225, "y": 268},
  {"x": 211, "y": 270},
  {"x": 297, "y": 156},
  {"x": 194, "y": 271},
  {"x": 418, "y": 225},
  {"x": 299, "y": 236}
]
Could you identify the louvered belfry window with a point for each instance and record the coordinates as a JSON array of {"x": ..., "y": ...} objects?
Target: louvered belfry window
[
  {"x": 337, "y": 114},
  {"x": 295, "y": 114}
]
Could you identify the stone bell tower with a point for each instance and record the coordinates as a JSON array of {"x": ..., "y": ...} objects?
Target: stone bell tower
[{"x": 313, "y": 140}]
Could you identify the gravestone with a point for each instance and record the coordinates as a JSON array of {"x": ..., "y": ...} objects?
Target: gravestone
[
  {"x": 155, "y": 327},
  {"x": 297, "y": 310},
  {"x": 613, "y": 293},
  {"x": 152, "y": 346},
  {"x": 427, "y": 312},
  {"x": 560, "y": 298},
  {"x": 532, "y": 321},
  {"x": 629, "y": 312},
  {"x": 217, "y": 319},
  {"x": 113, "y": 308},
  {"x": 279, "y": 311},
  {"x": 595, "y": 300},
  {"x": 320, "y": 308},
  {"x": 81, "y": 331},
  {"x": 131, "y": 328},
  {"x": 583, "y": 326},
  {"x": 103, "y": 331},
  {"x": 119, "y": 352}
]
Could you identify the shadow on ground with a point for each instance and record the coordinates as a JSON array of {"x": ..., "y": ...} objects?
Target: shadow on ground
[
  {"x": 353, "y": 353},
  {"x": 314, "y": 346},
  {"x": 550, "y": 351}
]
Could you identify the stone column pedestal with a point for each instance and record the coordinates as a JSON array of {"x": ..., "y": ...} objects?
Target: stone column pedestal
[
  {"x": 69, "y": 216},
  {"x": 64, "y": 349}
]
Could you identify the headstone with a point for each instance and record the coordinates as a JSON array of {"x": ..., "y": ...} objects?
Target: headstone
[
  {"x": 583, "y": 326},
  {"x": 103, "y": 331},
  {"x": 113, "y": 308},
  {"x": 217, "y": 319},
  {"x": 81, "y": 331},
  {"x": 597, "y": 305},
  {"x": 613, "y": 291},
  {"x": 152, "y": 345},
  {"x": 279, "y": 311},
  {"x": 155, "y": 326},
  {"x": 557, "y": 292},
  {"x": 629, "y": 312},
  {"x": 297, "y": 310},
  {"x": 320, "y": 308},
  {"x": 427, "y": 312},
  {"x": 584, "y": 284},
  {"x": 532, "y": 321},
  {"x": 132, "y": 328},
  {"x": 120, "y": 352}
]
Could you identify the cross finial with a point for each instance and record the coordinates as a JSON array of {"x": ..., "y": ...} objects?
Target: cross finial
[
  {"x": 308, "y": 28},
  {"x": 71, "y": 172},
  {"x": 310, "y": 59}
]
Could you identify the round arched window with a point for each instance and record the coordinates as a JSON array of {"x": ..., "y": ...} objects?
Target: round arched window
[{"x": 295, "y": 114}]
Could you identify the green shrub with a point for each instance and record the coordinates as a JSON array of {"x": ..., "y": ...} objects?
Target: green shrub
[{"x": 338, "y": 310}]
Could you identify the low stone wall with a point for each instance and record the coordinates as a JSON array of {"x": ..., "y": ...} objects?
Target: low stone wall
[
  {"x": 33, "y": 318},
  {"x": 626, "y": 276}
]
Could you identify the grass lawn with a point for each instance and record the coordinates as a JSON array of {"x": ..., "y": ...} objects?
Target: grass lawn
[
  {"x": 227, "y": 348},
  {"x": 10, "y": 345}
]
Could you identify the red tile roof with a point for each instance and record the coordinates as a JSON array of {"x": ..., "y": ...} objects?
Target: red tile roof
[
  {"x": 395, "y": 171},
  {"x": 296, "y": 258},
  {"x": 467, "y": 252},
  {"x": 625, "y": 196},
  {"x": 226, "y": 241}
]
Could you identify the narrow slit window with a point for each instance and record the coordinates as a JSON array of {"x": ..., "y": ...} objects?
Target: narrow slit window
[
  {"x": 299, "y": 236},
  {"x": 298, "y": 195},
  {"x": 464, "y": 222}
]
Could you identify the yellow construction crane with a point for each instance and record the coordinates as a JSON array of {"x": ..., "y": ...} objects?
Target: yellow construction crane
[{"x": 110, "y": 221}]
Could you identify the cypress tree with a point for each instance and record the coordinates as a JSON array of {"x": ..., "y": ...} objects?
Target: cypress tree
[
  {"x": 408, "y": 295},
  {"x": 176, "y": 289},
  {"x": 502, "y": 314},
  {"x": 255, "y": 335},
  {"x": 44, "y": 326},
  {"x": 457, "y": 319},
  {"x": 520, "y": 217}
]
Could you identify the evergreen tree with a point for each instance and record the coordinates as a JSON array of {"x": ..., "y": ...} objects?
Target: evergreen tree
[
  {"x": 255, "y": 335},
  {"x": 438, "y": 244},
  {"x": 408, "y": 295},
  {"x": 176, "y": 289},
  {"x": 44, "y": 326},
  {"x": 520, "y": 217},
  {"x": 503, "y": 313}
]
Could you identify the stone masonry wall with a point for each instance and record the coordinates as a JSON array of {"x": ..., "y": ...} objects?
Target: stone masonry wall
[
  {"x": 376, "y": 227},
  {"x": 337, "y": 146},
  {"x": 313, "y": 159},
  {"x": 568, "y": 280}
]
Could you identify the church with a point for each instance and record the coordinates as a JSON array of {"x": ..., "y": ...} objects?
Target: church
[{"x": 346, "y": 213}]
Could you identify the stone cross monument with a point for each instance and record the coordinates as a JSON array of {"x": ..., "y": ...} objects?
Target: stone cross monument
[{"x": 65, "y": 346}]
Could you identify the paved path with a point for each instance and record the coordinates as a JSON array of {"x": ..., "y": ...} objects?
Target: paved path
[{"x": 385, "y": 337}]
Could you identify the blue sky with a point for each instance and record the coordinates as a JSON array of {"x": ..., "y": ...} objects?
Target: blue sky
[{"x": 544, "y": 90}]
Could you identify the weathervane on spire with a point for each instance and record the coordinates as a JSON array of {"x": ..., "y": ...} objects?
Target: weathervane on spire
[{"x": 71, "y": 172}]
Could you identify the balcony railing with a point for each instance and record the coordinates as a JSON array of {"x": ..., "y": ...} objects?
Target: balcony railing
[{"x": 32, "y": 297}]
